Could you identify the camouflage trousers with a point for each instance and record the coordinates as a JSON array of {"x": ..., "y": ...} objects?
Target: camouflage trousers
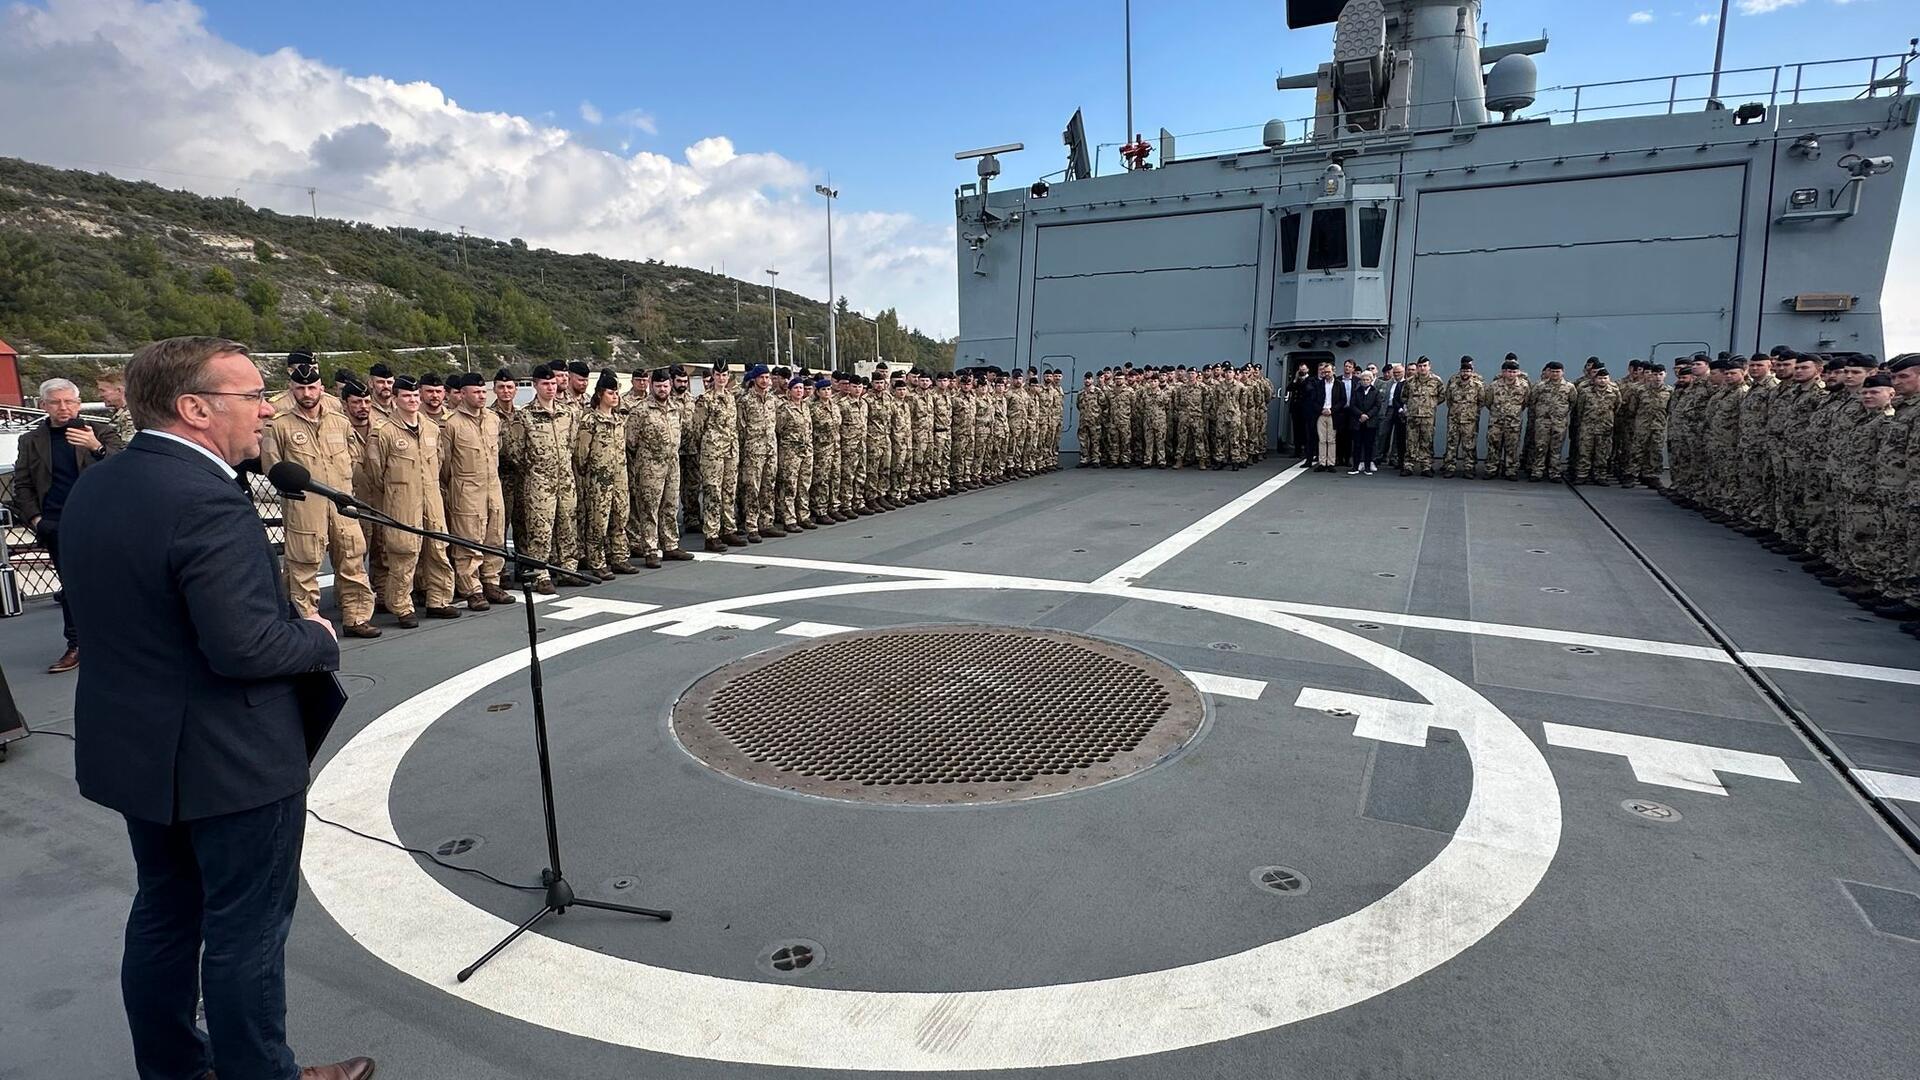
[
  {"x": 941, "y": 476},
  {"x": 1649, "y": 450},
  {"x": 920, "y": 478},
  {"x": 1596, "y": 446},
  {"x": 550, "y": 516},
  {"x": 487, "y": 523},
  {"x": 689, "y": 492},
  {"x": 718, "y": 472},
  {"x": 1253, "y": 429},
  {"x": 1503, "y": 448},
  {"x": 796, "y": 485},
  {"x": 1621, "y": 462},
  {"x": 1227, "y": 445},
  {"x": 1087, "y": 434},
  {"x": 604, "y": 505},
  {"x": 852, "y": 491},
  {"x": 982, "y": 450},
  {"x": 1154, "y": 449},
  {"x": 316, "y": 528},
  {"x": 1543, "y": 456},
  {"x": 655, "y": 490},
  {"x": 1721, "y": 483},
  {"x": 1119, "y": 447},
  {"x": 825, "y": 493},
  {"x": 1463, "y": 438},
  {"x": 879, "y": 465},
  {"x": 1191, "y": 441},
  {"x": 962, "y": 455},
  {"x": 759, "y": 475},
  {"x": 900, "y": 471}
]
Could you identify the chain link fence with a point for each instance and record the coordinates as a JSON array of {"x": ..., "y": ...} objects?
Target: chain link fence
[{"x": 33, "y": 569}]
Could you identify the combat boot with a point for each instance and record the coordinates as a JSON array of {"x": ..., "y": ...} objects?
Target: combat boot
[
  {"x": 771, "y": 532},
  {"x": 495, "y": 594},
  {"x": 714, "y": 545},
  {"x": 678, "y": 555},
  {"x": 544, "y": 587},
  {"x": 477, "y": 602},
  {"x": 624, "y": 567},
  {"x": 441, "y": 612},
  {"x": 361, "y": 630},
  {"x": 863, "y": 510},
  {"x": 409, "y": 621},
  {"x": 808, "y": 524},
  {"x": 753, "y": 537},
  {"x": 652, "y": 563},
  {"x": 735, "y": 539}
]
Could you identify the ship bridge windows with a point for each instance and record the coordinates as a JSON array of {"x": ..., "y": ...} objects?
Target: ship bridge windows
[
  {"x": 1327, "y": 239},
  {"x": 1289, "y": 241},
  {"x": 1373, "y": 233}
]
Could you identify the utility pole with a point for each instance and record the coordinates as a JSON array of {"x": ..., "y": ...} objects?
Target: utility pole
[
  {"x": 313, "y": 200},
  {"x": 773, "y": 296},
  {"x": 1719, "y": 50},
  {"x": 1129, "y": 17},
  {"x": 833, "y": 339}
]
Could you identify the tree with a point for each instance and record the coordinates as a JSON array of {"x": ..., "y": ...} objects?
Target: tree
[
  {"x": 262, "y": 296},
  {"x": 219, "y": 280}
]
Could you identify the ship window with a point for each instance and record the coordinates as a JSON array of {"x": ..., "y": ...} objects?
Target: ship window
[
  {"x": 1373, "y": 230},
  {"x": 1327, "y": 240},
  {"x": 1289, "y": 243}
]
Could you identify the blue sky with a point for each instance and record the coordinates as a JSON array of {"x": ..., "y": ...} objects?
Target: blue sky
[{"x": 878, "y": 94}]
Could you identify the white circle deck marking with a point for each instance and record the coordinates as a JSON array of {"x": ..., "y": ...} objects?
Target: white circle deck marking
[{"x": 1498, "y": 854}]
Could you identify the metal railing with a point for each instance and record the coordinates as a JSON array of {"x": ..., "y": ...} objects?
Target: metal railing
[
  {"x": 33, "y": 567},
  {"x": 1888, "y": 74}
]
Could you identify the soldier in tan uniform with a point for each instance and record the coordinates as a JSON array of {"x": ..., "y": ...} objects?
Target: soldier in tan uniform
[
  {"x": 403, "y": 464},
  {"x": 322, "y": 441},
  {"x": 380, "y": 380},
  {"x": 716, "y": 435},
  {"x": 759, "y": 462},
  {"x": 653, "y": 434},
  {"x": 540, "y": 455},
  {"x": 600, "y": 460},
  {"x": 476, "y": 505}
]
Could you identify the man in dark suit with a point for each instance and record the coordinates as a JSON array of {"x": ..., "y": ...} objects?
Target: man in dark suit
[
  {"x": 51, "y": 456},
  {"x": 193, "y": 715},
  {"x": 1392, "y": 446},
  {"x": 1343, "y": 416},
  {"x": 1324, "y": 403}
]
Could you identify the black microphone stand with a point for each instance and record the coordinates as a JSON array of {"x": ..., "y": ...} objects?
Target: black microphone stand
[{"x": 560, "y": 895}]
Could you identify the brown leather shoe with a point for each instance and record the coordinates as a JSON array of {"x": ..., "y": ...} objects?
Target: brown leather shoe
[
  {"x": 653, "y": 562},
  {"x": 715, "y": 545},
  {"x": 773, "y": 531},
  {"x": 679, "y": 555},
  {"x": 495, "y": 594},
  {"x": 408, "y": 621},
  {"x": 361, "y": 630},
  {"x": 67, "y": 662},
  {"x": 623, "y": 568},
  {"x": 359, "y": 1068},
  {"x": 544, "y": 587},
  {"x": 734, "y": 539},
  {"x": 448, "y": 612},
  {"x": 477, "y": 602}
]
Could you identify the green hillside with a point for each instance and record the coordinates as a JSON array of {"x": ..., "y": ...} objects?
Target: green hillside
[{"x": 91, "y": 263}]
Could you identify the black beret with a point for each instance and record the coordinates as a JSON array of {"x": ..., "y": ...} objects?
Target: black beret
[
  {"x": 380, "y": 371},
  {"x": 580, "y": 368},
  {"x": 677, "y": 371},
  {"x": 303, "y": 374},
  {"x": 1904, "y": 361},
  {"x": 504, "y": 375},
  {"x": 1466, "y": 362},
  {"x": 1702, "y": 356},
  {"x": 341, "y": 375},
  {"x": 1554, "y": 365},
  {"x": 1877, "y": 379},
  {"x": 352, "y": 389},
  {"x": 1661, "y": 368},
  {"x": 1835, "y": 364},
  {"x": 660, "y": 375},
  {"x": 1861, "y": 360},
  {"x": 608, "y": 381},
  {"x": 432, "y": 379},
  {"x": 405, "y": 382},
  {"x": 1513, "y": 356},
  {"x": 542, "y": 371},
  {"x": 1780, "y": 350},
  {"x": 1510, "y": 365},
  {"x": 1599, "y": 371},
  {"x": 300, "y": 356}
]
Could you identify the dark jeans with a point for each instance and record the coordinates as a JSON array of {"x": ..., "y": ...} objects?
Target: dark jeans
[
  {"x": 227, "y": 883},
  {"x": 1391, "y": 446},
  {"x": 48, "y": 533},
  {"x": 1363, "y": 443},
  {"x": 1343, "y": 446}
]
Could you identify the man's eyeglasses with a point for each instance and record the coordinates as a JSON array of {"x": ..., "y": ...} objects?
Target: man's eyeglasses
[{"x": 255, "y": 396}]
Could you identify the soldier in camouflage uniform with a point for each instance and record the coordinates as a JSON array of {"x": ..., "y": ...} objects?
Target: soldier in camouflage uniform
[
  {"x": 1221, "y": 399},
  {"x": 1505, "y": 399},
  {"x": 920, "y": 418},
  {"x": 759, "y": 455},
  {"x": 983, "y": 421},
  {"x": 900, "y": 443},
  {"x": 1189, "y": 421},
  {"x": 1423, "y": 393},
  {"x": 682, "y": 398},
  {"x": 852, "y": 408},
  {"x": 654, "y": 434},
  {"x": 1155, "y": 402},
  {"x": 1723, "y": 441},
  {"x": 1618, "y": 466},
  {"x": 1897, "y": 498},
  {"x": 1463, "y": 421},
  {"x": 1752, "y": 477},
  {"x": 1650, "y": 428},
  {"x": 1088, "y": 427},
  {"x": 716, "y": 433},
  {"x": 476, "y": 507},
  {"x": 1685, "y": 433},
  {"x": 940, "y": 468},
  {"x": 1550, "y": 404},
  {"x": 1594, "y": 406},
  {"x": 403, "y": 463},
  {"x": 540, "y": 454},
  {"x": 321, "y": 440},
  {"x": 823, "y": 411},
  {"x": 1119, "y": 403},
  {"x": 1257, "y": 393},
  {"x": 793, "y": 433},
  {"x": 880, "y": 440},
  {"x": 505, "y": 388},
  {"x": 1860, "y": 540},
  {"x": 961, "y": 407},
  {"x": 1832, "y": 462},
  {"x": 600, "y": 460}
]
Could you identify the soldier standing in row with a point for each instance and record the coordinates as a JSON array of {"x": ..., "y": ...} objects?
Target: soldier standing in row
[
  {"x": 540, "y": 456},
  {"x": 380, "y": 380},
  {"x": 1649, "y": 442},
  {"x": 476, "y": 504},
  {"x": 1423, "y": 391},
  {"x": 1551, "y": 406},
  {"x": 600, "y": 460},
  {"x": 1506, "y": 398},
  {"x": 759, "y": 462},
  {"x": 653, "y": 440},
  {"x": 403, "y": 465},
  {"x": 961, "y": 409},
  {"x": 851, "y": 500},
  {"x": 1119, "y": 408},
  {"x": 1594, "y": 407},
  {"x": 1088, "y": 428},
  {"x": 823, "y": 413},
  {"x": 716, "y": 431},
  {"x": 793, "y": 435},
  {"x": 1463, "y": 421},
  {"x": 322, "y": 440}
]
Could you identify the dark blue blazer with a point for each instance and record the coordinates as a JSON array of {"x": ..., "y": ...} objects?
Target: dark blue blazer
[{"x": 186, "y": 705}]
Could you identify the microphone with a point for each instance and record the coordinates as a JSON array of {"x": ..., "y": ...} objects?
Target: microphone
[{"x": 292, "y": 479}]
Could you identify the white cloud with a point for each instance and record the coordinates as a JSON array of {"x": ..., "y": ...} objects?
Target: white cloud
[
  {"x": 132, "y": 87},
  {"x": 1762, "y": 7},
  {"x": 1640, "y": 18},
  {"x": 1705, "y": 18}
]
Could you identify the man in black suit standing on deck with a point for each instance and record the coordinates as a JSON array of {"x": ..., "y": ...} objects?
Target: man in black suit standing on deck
[{"x": 196, "y": 713}]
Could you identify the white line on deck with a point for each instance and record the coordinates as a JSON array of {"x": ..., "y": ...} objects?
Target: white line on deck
[
  {"x": 575, "y": 608},
  {"x": 701, "y": 622},
  {"x": 1832, "y": 667},
  {"x": 1226, "y": 685},
  {"x": 814, "y": 629},
  {"x": 1888, "y": 785},
  {"x": 1669, "y": 763},
  {"x": 1376, "y": 718},
  {"x": 1151, "y": 559}
]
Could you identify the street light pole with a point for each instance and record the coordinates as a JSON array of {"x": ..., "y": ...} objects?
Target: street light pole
[
  {"x": 773, "y": 295},
  {"x": 833, "y": 337}
]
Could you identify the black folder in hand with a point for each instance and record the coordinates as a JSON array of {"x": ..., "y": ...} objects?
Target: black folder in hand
[{"x": 321, "y": 699}]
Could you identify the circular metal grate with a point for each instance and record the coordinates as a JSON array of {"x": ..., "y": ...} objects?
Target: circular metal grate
[{"x": 934, "y": 715}]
